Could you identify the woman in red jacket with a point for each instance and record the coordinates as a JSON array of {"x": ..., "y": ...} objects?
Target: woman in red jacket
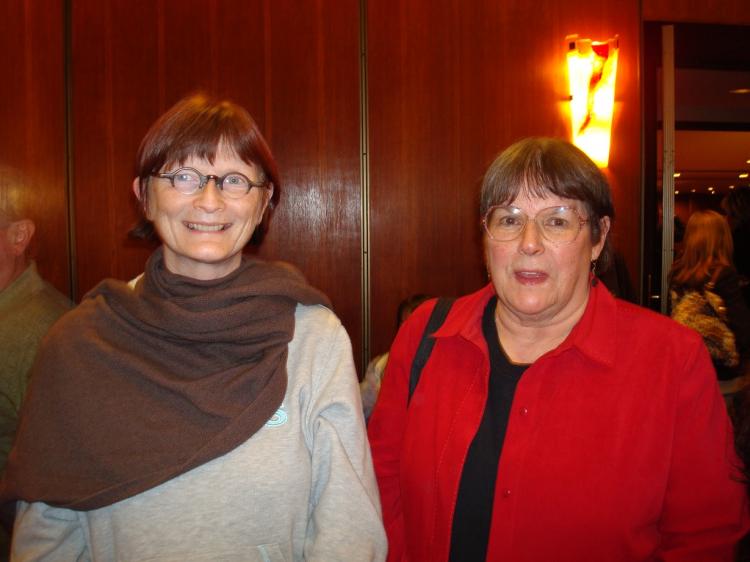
[{"x": 553, "y": 421}]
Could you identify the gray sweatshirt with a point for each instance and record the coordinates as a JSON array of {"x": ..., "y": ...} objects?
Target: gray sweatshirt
[{"x": 301, "y": 488}]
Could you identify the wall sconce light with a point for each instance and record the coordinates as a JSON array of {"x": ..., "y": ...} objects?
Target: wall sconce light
[{"x": 592, "y": 68}]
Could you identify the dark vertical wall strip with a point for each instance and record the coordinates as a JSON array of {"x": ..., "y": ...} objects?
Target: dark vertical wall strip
[
  {"x": 364, "y": 139},
  {"x": 69, "y": 187}
]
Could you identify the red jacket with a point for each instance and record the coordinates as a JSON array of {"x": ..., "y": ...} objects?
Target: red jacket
[{"x": 618, "y": 444}]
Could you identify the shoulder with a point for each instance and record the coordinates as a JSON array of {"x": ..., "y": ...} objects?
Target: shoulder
[
  {"x": 635, "y": 319},
  {"x": 615, "y": 331},
  {"x": 318, "y": 335},
  {"x": 413, "y": 327},
  {"x": 44, "y": 307},
  {"x": 71, "y": 331},
  {"x": 462, "y": 324},
  {"x": 52, "y": 302},
  {"x": 464, "y": 311},
  {"x": 645, "y": 337},
  {"x": 320, "y": 365},
  {"x": 314, "y": 318},
  {"x": 646, "y": 351}
]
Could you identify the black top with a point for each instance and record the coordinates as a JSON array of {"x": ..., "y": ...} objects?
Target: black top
[
  {"x": 741, "y": 257},
  {"x": 741, "y": 237},
  {"x": 472, "y": 517}
]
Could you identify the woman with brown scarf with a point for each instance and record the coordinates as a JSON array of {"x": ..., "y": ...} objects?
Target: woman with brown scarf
[{"x": 209, "y": 410}]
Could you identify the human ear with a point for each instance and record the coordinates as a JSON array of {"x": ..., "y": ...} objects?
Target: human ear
[
  {"x": 141, "y": 196},
  {"x": 604, "y": 226},
  {"x": 137, "y": 188},
  {"x": 20, "y": 233},
  {"x": 268, "y": 195}
]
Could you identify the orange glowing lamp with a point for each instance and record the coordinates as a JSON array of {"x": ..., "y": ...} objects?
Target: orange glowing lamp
[{"x": 592, "y": 68}]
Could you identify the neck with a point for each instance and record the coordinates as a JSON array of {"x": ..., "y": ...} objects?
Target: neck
[
  {"x": 525, "y": 340},
  {"x": 8, "y": 276}
]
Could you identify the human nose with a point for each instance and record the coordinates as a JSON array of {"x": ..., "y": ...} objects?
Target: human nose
[
  {"x": 531, "y": 241},
  {"x": 210, "y": 198}
]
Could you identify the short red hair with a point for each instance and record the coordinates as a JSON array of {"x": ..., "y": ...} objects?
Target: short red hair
[{"x": 196, "y": 126}]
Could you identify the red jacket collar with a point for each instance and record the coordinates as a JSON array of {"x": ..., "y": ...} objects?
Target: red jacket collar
[{"x": 593, "y": 335}]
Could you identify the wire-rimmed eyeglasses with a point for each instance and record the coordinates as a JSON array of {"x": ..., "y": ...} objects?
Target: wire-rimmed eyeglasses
[
  {"x": 560, "y": 225},
  {"x": 189, "y": 181}
]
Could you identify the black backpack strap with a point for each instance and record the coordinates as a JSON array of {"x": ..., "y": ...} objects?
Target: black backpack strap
[{"x": 437, "y": 317}]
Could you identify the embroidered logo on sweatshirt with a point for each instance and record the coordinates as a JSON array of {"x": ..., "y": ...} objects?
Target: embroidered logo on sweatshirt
[{"x": 279, "y": 418}]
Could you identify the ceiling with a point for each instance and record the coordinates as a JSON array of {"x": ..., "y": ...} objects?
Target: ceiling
[
  {"x": 712, "y": 120},
  {"x": 710, "y": 159}
]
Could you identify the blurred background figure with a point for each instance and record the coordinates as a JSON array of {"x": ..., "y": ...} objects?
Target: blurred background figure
[
  {"x": 704, "y": 269},
  {"x": 370, "y": 385},
  {"x": 28, "y": 307},
  {"x": 737, "y": 207},
  {"x": 28, "y": 304},
  {"x": 616, "y": 278}
]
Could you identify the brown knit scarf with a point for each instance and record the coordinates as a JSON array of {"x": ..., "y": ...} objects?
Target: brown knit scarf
[{"x": 137, "y": 386}]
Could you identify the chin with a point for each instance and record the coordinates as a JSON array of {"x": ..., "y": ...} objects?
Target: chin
[
  {"x": 211, "y": 257},
  {"x": 208, "y": 258},
  {"x": 211, "y": 253},
  {"x": 533, "y": 312},
  {"x": 531, "y": 307}
]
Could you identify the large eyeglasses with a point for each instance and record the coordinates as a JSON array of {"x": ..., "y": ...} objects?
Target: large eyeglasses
[
  {"x": 189, "y": 181},
  {"x": 559, "y": 225}
]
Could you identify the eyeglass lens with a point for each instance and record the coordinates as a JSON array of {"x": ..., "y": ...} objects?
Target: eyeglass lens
[
  {"x": 556, "y": 224},
  {"x": 233, "y": 184}
]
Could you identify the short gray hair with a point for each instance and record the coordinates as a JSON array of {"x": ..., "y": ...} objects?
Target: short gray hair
[
  {"x": 13, "y": 184},
  {"x": 541, "y": 166}
]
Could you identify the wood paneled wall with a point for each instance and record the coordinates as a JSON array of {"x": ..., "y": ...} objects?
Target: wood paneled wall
[
  {"x": 313, "y": 115},
  {"x": 32, "y": 124},
  {"x": 293, "y": 65},
  {"x": 449, "y": 85},
  {"x": 122, "y": 82}
]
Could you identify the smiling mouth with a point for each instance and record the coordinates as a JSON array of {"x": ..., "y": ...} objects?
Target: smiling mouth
[{"x": 207, "y": 227}]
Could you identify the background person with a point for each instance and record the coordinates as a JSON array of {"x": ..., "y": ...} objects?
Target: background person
[
  {"x": 553, "y": 421},
  {"x": 706, "y": 263},
  {"x": 737, "y": 207},
  {"x": 370, "y": 385},
  {"x": 28, "y": 307},
  {"x": 211, "y": 412},
  {"x": 617, "y": 278},
  {"x": 28, "y": 304}
]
